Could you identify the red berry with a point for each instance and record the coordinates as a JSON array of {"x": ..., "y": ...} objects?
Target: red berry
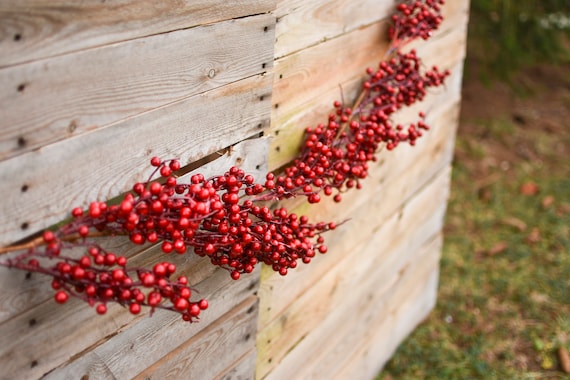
[
  {"x": 135, "y": 308},
  {"x": 167, "y": 247},
  {"x": 101, "y": 308},
  {"x": 83, "y": 231},
  {"x": 155, "y": 161},
  {"x": 61, "y": 297},
  {"x": 174, "y": 165},
  {"x": 181, "y": 304},
  {"x": 194, "y": 310},
  {"x": 179, "y": 246},
  {"x": 48, "y": 236},
  {"x": 165, "y": 171}
]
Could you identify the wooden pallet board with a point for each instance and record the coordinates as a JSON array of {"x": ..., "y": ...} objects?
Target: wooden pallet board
[
  {"x": 48, "y": 101},
  {"x": 213, "y": 349},
  {"x": 243, "y": 369},
  {"x": 363, "y": 313},
  {"x": 416, "y": 300},
  {"x": 67, "y": 174},
  {"x": 373, "y": 248},
  {"x": 419, "y": 164},
  {"x": 37, "y": 29},
  {"x": 98, "y": 345},
  {"x": 301, "y": 24},
  {"x": 308, "y": 81},
  {"x": 20, "y": 293}
]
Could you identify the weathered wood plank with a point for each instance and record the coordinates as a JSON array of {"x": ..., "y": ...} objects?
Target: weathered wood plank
[
  {"x": 244, "y": 369},
  {"x": 104, "y": 341},
  {"x": 106, "y": 162},
  {"x": 302, "y": 23},
  {"x": 20, "y": 293},
  {"x": 306, "y": 84},
  {"x": 386, "y": 337},
  {"x": 397, "y": 176},
  {"x": 302, "y": 77},
  {"x": 421, "y": 218},
  {"x": 47, "y": 101},
  {"x": 212, "y": 350},
  {"x": 374, "y": 307},
  {"x": 35, "y": 29}
]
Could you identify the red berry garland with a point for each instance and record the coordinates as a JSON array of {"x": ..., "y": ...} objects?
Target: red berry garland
[{"x": 224, "y": 217}]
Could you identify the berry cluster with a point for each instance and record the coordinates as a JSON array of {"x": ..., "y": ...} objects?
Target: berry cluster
[
  {"x": 336, "y": 155},
  {"x": 218, "y": 217},
  {"x": 99, "y": 277},
  {"x": 226, "y": 218},
  {"x": 415, "y": 18}
]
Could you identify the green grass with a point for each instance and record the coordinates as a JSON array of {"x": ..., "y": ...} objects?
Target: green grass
[{"x": 504, "y": 298}]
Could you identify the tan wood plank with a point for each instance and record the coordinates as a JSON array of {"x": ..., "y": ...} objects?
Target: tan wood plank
[
  {"x": 212, "y": 349},
  {"x": 306, "y": 85},
  {"x": 35, "y": 29},
  {"x": 65, "y": 96},
  {"x": 396, "y": 177},
  {"x": 20, "y": 293},
  {"x": 60, "y": 333},
  {"x": 342, "y": 348},
  {"x": 108, "y": 161},
  {"x": 386, "y": 337},
  {"x": 304, "y": 76},
  {"x": 288, "y": 136},
  {"x": 420, "y": 219},
  {"x": 302, "y": 23}
]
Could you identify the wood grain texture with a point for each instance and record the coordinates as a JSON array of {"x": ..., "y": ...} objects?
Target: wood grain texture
[
  {"x": 20, "y": 293},
  {"x": 213, "y": 349},
  {"x": 435, "y": 105},
  {"x": 397, "y": 176},
  {"x": 106, "y": 162},
  {"x": 369, "y": 267},
  {"x": 360, "y": 316},
  {"x": 413, "y": 306},
  {"x": 243, "y": 369},
  {"x": 110, "y": 346},
  {"x": 66, "y": 96},
  {"x": 36, "y": 29},
  {"x": 302, "y": 23},
  {"x": 306, "y": 75},
  {"x": 306, "y": 84}
]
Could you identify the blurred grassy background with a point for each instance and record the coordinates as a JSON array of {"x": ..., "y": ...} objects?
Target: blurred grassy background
[{"x": 504, "y": 300}]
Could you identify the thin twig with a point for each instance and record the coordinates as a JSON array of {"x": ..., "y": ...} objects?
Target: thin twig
[{"x": 39, "y": 242}]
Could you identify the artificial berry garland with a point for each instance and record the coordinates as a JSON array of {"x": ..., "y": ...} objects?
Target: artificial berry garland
[{"x": 224, "y": 217}]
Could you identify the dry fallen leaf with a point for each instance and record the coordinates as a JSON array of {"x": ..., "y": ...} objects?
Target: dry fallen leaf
[
  {"x": 547, "y": 201},
  {"x": 563, "y": 209},
  {"x": 500, "y": 247},
  {"x": 515, "y": 222},
  {"x": 564, "y": 358},
  {"x": 529, "y": 188},
  {"x": 485, "y": 194},
  {"x": 534, "y": 236}
]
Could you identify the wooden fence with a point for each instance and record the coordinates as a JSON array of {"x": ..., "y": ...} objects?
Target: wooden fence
[{"x": 90, "y": 90}]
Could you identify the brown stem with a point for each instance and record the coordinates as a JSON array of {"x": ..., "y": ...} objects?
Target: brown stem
[
  {"x": 355, "y": 105},
  {"x": 20, "y": 247},
  {"x": 39, "y": 242}
]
